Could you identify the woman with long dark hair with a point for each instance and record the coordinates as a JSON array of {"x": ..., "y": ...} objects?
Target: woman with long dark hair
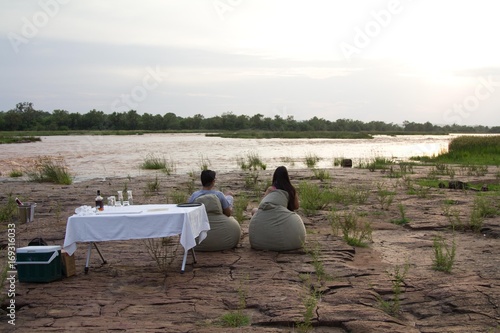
[
  {"x": 275, "y": 226},
  {"x": 281, "y": 181}
]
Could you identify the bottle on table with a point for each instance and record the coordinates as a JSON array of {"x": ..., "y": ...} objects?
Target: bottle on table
[{"x": 99, "y": 201}]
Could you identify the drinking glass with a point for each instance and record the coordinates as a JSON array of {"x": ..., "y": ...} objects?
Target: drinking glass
[
  {"x": 111, "y": 201},
  {"x": 119, "y": 201},
  {"x": 129, "y": 197}
]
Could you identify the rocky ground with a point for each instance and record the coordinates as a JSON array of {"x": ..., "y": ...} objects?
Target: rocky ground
[{"x": 343, "y": 287}]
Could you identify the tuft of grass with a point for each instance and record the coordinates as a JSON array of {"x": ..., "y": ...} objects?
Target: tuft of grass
[
  {"x": 354, "y": 232},
  {"x": 321, "y": 174},
  {"x": 179, "y": 197},
  {"x": 15, "y": 173},
  {"x": 393, "y": 306},
  {"x": 311, "y": 160},
  {"x": 237, "y": 318},
  {"x": 252, "y": 161},
  {"x": 204, "y": 162},
  {"x": 153, "y": 186},
  {"x": 378, "y": 163},
  {"x": 239, "y": 207},
  {"x": 350, "y": 195},
  {"x": 154, "y": 162},
  {"x": 46, "y": 169},
  {"x": 313, "y": 198},
  {"x": 403, "y": 219},
  {"x": 314, "y": 251},
  {"x": 384, "y": 197},
  {"x": 8, "y": 211},
  {"x": 444, "y": 254}
]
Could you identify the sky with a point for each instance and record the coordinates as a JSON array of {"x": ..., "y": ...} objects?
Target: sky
[{"x": 367, "y": 60}]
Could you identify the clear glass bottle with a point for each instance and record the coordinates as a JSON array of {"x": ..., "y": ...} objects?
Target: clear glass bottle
[{"x": 99, "y": 201}]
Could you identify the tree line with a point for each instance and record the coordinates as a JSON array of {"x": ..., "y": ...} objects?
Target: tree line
[{"x": 25, "y": 118}]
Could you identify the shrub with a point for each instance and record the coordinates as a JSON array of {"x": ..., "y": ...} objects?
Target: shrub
[{"x": 163, "y": 251}]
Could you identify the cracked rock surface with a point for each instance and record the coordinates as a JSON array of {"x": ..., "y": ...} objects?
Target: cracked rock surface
[{"x": 130, "y": 294}]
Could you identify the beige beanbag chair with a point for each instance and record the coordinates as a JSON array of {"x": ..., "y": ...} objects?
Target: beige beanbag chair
[
  {"x": 274, "y": 227},
  {"x": 224, "y": 233}
]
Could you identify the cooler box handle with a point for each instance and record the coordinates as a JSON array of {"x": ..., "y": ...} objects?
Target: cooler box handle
[{"x": 54, "y": 255}]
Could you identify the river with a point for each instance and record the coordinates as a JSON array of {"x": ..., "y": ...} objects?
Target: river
[{"x": 94, "y": 156}]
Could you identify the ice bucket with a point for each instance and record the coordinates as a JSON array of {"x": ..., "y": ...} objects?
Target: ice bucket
[{"x": 26, "y": 212}]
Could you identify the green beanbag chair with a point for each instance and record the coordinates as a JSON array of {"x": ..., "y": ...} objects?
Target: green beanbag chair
[
  {"x": 224, "y": 233},
  {"x": 274, "y": 227}
]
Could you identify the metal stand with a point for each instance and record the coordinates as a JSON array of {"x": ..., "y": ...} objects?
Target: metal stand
[
  {"x": 184, "y": 259},
  {"x": 88, "y": 256}
]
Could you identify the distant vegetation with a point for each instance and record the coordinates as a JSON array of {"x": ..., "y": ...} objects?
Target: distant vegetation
[{"x": 24, "y": 119}]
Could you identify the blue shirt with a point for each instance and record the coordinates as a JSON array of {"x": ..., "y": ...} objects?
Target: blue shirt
[{"x": 224, "y": 203}]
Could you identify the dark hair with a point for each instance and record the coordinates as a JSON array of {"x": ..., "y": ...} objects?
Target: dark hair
[
  {"x": 281, "y": 181},
  {"x": 207, "y": 176}
]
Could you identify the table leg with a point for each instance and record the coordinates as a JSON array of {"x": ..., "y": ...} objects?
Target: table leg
[
  {"x": 88, "y": 256},
  {"x": 102, "y": 258},
  {"x": 194, "y": 256},
  {"x": 184, "y": 259}
]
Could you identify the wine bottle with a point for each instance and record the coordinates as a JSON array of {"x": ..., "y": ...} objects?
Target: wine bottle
[{"x": 99, "y": 201}]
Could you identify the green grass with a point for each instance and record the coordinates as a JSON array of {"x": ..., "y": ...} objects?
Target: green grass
[
  {"x": 252, "y": 161},
  {"x": 313, "y": 197},
  {"x": 473, "y": 150},
  {"x": 393, "y": 305},
  {"x": 4, "y": 139},
  {"x": 311, "y": 160},
  {"x": 444, "y": 254},
  {"x": 154, "y": 162},
  {"x": 239, "y": 208},
  {"x": 46, "y": 169},
  {"x": 237, "y": 318},
  {"x": 15, "y": 173},
  {"x": 354, "y": 231},
  {"x": 8, "y": 210},
  {"x": 378, "y": 163},
  {"x": 291, "y": 135}
]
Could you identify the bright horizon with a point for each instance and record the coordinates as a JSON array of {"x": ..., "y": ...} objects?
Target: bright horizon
[{"x": 387, "y": 61}]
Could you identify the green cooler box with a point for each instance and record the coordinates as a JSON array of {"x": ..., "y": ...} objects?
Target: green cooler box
[{"x": 39, "y": 263}]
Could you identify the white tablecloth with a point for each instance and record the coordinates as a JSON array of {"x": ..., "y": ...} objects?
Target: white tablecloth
[{"x": 137, "y": 222}]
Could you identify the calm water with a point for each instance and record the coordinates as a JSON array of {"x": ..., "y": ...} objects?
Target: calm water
[{"x": 108, "y": 156}]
